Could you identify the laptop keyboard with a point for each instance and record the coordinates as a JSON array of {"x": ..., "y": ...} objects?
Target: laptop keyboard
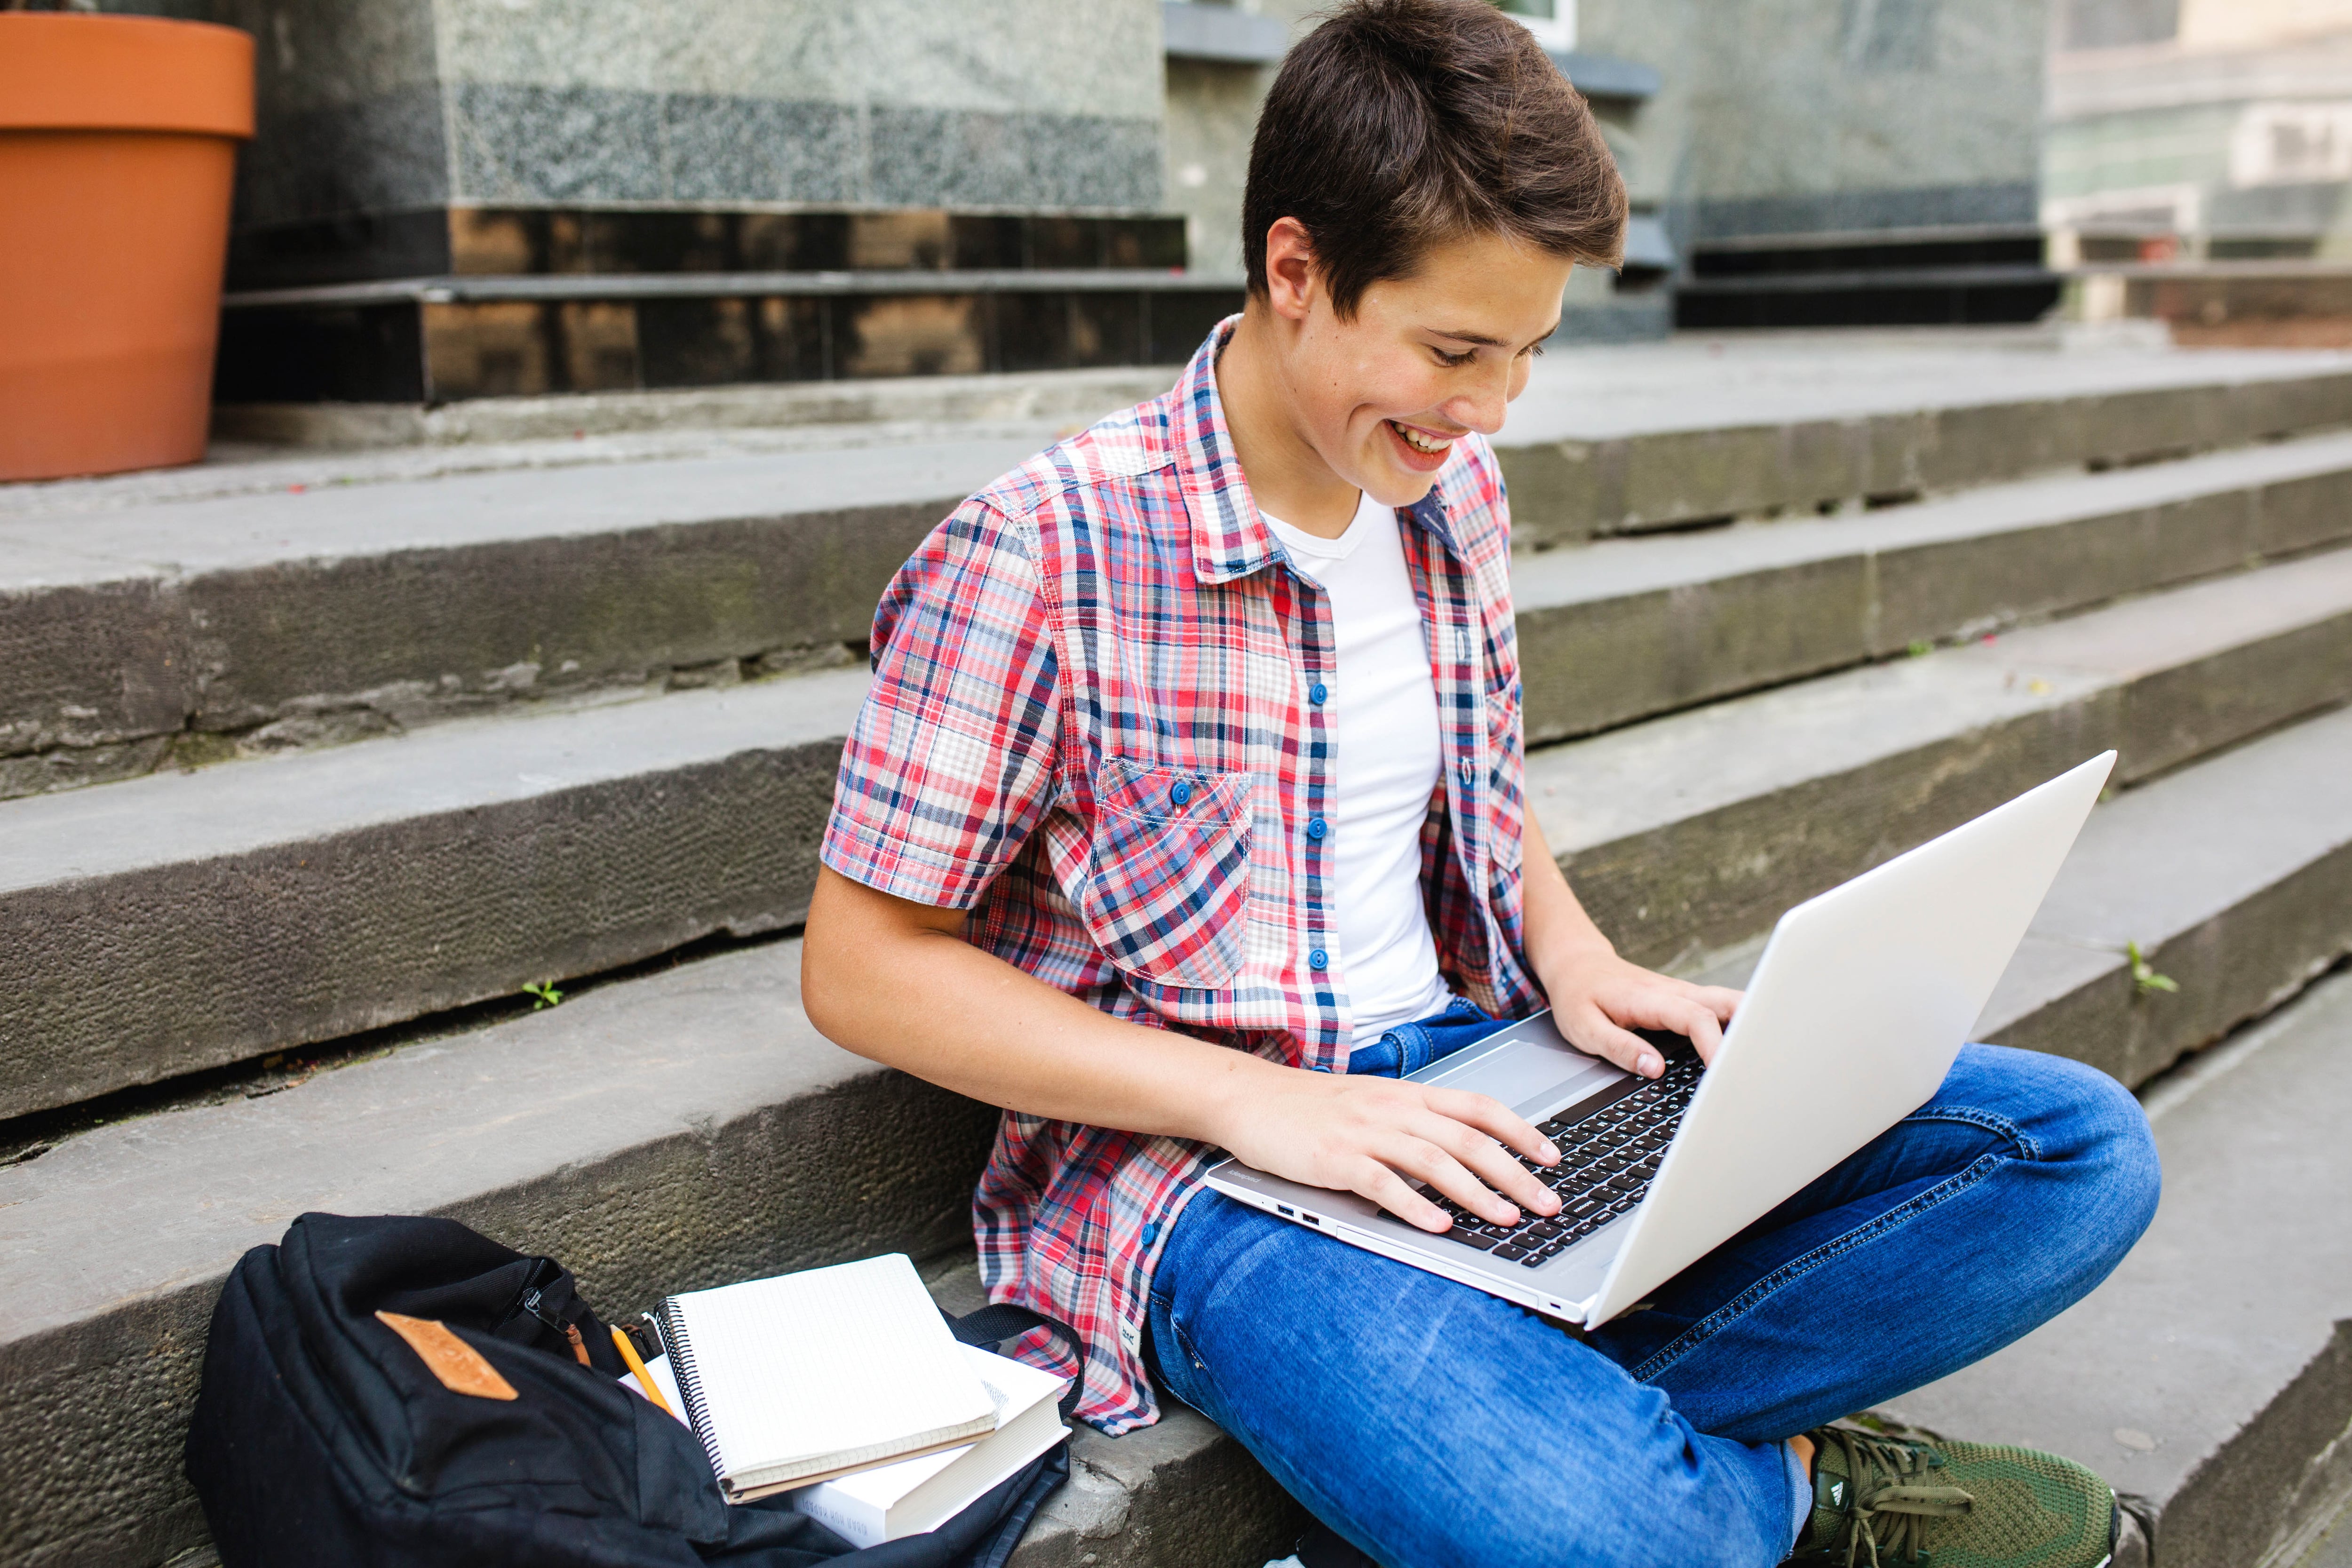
[{"x": 1607, "y": 1156}]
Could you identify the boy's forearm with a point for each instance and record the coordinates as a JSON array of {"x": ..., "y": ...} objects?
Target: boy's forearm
[
  {"x": 1557, "y": 929},
  {"x": 920, "y": 998}
]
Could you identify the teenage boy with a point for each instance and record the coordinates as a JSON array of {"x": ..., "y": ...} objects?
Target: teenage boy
[{"x": 1185, "y": 813}]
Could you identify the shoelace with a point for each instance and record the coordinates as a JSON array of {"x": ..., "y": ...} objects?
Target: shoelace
[{"x": 1882, "y": 1494}]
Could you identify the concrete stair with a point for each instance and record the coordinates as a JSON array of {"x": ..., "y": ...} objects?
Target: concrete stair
[
  {"x": 1751, "y": 727},
  {"x": 2211, "y": 1374},
  {"x": 182, "y": 620},
  {"x": 349, "y": 887}
]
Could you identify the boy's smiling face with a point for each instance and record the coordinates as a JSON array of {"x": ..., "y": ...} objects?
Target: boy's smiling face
[{"x": 1381, "y": 398}]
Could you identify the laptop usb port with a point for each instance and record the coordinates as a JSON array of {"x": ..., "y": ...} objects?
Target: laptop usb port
[{"x": 1286, "y": 1211}]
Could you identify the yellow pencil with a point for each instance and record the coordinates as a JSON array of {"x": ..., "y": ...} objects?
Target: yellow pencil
[{"x": 637, "y": 1368}]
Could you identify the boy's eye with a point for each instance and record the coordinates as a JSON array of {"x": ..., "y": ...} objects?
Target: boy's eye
[{"x": 1450, "y": 360}]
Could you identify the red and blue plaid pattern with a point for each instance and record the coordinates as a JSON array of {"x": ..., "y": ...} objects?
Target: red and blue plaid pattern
[{"x": 1094, "y": 723}]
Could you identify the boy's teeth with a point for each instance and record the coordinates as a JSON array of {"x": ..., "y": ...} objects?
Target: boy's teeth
[{"x": 1417, "y": 441}]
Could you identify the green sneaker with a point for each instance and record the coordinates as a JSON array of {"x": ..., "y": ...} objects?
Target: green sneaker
[{"x": 1956, "y": 1505}]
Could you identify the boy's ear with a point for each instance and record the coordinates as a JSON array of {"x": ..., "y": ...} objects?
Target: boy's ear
[{"x": 1292, "y": 276}]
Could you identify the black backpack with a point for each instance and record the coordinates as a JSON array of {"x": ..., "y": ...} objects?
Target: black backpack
[{"x": 321, "y": 1436}]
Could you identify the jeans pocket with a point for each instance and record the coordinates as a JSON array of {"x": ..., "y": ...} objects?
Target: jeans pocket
[{"x": 1166, "y": 895}]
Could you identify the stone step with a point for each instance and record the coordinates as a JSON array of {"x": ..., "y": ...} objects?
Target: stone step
[
  {"x": 1688, "y": 835},
  {"x": 670, "y": 1131},
  {"x": 1625, "y": 440},
  {"x": 241, "y": 622},
  {"x": 150, "y": 632},
  {"x": 681, "y": 1130},
  {"x": 181, "y": 921},
  {"x": 2211, "y": 1374},
  {"x": 1179, "y": 1494},
  {"x": 2232, "y": 876},
  {"x": 149, "y": 620},
  {"x": 1623, "y": 629}
]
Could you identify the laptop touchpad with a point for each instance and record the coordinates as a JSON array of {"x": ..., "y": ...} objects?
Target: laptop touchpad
[{"x": 1529, "y": 1077}]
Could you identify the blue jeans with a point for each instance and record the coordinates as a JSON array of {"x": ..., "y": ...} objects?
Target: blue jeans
[{"x": 1431, "y": 1423}]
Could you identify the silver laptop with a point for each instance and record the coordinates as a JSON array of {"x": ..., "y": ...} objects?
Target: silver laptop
[{"x": 1861, "y": 1001}]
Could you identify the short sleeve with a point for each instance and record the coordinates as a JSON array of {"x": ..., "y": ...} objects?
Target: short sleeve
[{"x": 949, "y": 766}]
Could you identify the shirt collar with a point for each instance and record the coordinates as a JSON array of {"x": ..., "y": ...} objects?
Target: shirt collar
[{"x": 1229, "y": 540}]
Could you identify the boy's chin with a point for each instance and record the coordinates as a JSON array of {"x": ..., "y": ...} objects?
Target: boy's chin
[{"x": 1392, "y": 483}]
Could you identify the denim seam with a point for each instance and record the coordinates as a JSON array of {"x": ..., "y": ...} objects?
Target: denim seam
[
  {"x": 1796, "y": 1268},
  {"x": 2026, "y": 1147}
]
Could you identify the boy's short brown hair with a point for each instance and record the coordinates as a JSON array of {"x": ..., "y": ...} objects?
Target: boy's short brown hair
[{"x": 1401, "y": 125}]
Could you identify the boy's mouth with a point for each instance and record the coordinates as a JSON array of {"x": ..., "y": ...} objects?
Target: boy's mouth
[{"x": 1421, "y": 441}]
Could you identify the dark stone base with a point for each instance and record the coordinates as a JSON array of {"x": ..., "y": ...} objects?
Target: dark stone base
[
  {"x": 1826, "y": 211},
  {"x": 1889, "y": 300},
  {"x": 479, "y": 241},
  {"x": 416, "y": 351},
  {"x": 1935, "y": 276}
]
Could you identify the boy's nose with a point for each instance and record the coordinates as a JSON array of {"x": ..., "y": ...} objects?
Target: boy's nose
[{"x": 1480, "y": 409}]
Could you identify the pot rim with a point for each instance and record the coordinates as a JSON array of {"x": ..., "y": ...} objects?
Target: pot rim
[{"x": 63, "y": 70}]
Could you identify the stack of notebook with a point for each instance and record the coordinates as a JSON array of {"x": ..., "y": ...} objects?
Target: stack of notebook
[{"x": 845, "y": 1383}]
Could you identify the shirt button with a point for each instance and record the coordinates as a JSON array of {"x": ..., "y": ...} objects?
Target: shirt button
[
  {"x": 1317, "y": 693},
  {"x": 1315, "y": 827},
  {"x": 1318, "y": 959},
  {"x": 1150, "y": 1233},
  {"x": 1181, "y": 793}
]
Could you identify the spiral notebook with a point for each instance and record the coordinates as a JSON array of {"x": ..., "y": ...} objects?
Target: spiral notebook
[{"x": 804, "y": 1377}]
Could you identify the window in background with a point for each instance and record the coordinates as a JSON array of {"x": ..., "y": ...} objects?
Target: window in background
[
  {"x": 1890, "y": 35},
  {"x": 1553, "y": 22},
  {"x": 2114, "y": 24}
]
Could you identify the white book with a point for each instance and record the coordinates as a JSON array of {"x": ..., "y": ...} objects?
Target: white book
[
  {"x": 916, "y": 1495},
  {"x": 812, "y": 1375}
]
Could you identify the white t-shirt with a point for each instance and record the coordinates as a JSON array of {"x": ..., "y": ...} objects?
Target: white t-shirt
[{"x": 1380, "y": 712}]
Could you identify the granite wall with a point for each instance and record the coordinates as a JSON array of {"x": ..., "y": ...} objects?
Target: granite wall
[
  {"x": 372, "y": 107},
  {"x": 1796, "y": 116},
  {"x": 1775, "y": 116},
  {"x": 1212, "y": 115}
]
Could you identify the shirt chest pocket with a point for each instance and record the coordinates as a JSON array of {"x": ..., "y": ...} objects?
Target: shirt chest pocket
[{"x": 1167, "y": 885}]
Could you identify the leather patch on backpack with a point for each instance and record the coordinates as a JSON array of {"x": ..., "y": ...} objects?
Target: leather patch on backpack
[{"x": 460, "y": 1367}]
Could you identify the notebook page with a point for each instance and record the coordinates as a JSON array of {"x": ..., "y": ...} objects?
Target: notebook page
[
  {"x": 1013, "y": 1388},
  {"x": 806, "y": 1372}
]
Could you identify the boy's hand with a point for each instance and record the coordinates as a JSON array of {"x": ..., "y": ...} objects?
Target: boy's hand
[
  {"x": 1598, "y": 999},
  {"x": 1377, "y": 1136}
]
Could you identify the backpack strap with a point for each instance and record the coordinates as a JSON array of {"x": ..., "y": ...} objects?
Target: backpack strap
[{"x": 1000, "y": 1321}]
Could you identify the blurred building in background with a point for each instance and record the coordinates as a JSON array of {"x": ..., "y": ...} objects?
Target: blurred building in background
[
  {"x": 2196, "y": 165},
  {"x": 457, "y": 198},
  {"x": 1792, "y": 161},
  {"x": 2201, "y": 129},
  {"x": 463, "y": 198}
]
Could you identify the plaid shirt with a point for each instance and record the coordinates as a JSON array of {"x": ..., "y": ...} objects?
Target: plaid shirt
[{"x": 1097, "y": 723}]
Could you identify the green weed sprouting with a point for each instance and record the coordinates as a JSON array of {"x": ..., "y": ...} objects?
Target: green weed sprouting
[
  {"x": 2145, "y": 979},
  {"x": 545, "y": 995}
]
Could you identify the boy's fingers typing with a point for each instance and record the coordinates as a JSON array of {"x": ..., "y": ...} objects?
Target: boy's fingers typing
[
  {"x": 1494, "y": 1118},
  {"x": 1378, "y": 1137},
  {"x": 1592, "y": 1031},
  {"x": 1422, "y": 1161},
  {"x": 1490, "y": 1163},
  {"x": 1384, "y": 1186}
]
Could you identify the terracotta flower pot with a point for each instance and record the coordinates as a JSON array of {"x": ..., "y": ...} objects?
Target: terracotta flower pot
[{"x": 117, "y": 142}]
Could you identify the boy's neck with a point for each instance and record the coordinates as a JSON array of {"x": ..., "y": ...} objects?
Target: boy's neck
[{"x": 1288, "y": 477}]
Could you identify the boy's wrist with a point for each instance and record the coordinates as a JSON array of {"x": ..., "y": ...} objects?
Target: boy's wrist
[
  {"x": 1233, "y": 1091},
  {"x": 1566, "y": 955}
]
